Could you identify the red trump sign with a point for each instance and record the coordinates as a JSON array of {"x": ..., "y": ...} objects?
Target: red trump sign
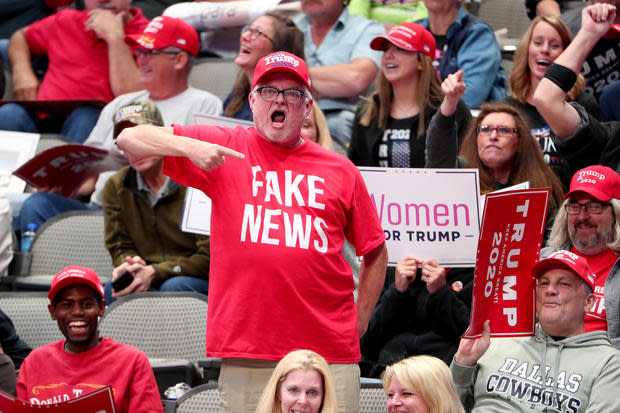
[{"x": 509, "y": 245}]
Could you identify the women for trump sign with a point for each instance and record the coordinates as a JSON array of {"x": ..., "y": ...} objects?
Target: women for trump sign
[{"x": 511, "y": 235}]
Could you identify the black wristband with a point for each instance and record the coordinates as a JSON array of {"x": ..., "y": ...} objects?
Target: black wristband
[{"x": 561, "y": 76}]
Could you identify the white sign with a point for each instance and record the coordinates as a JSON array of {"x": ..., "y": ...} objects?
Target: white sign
[
  {"x": 226, "y": 122},
  {"x": 430, "y": 213},
  {"x": 196, "y": 212},
  {"x": 16, "y": 148}
]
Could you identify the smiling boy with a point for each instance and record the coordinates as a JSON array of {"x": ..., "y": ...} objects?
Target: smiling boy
[{"x": 85, "y": 362}]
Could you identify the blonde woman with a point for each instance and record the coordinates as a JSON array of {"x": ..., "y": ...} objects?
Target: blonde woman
[
  {"x": 421, "y": 384},
  {"x": 315, "y": 128},
  {"x": 301, "y": 381}
]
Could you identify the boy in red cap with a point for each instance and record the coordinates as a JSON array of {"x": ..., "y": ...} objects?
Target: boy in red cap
[
  {"x": 282, "y": 206},
  {"x": 85, "y": 362},
  {"x": 560, "y": 368}
]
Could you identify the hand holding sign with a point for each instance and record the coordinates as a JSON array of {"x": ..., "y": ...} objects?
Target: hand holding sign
[
  {"x": 434, "y": 275},
  {"x": 471, "y": 349},
  {"x": 405, "y": 272}
]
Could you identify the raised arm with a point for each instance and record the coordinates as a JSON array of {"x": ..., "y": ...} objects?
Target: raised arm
[
  {"x": 343, "y": 80},
  {"x": 550, "y": 95},
  {"x": 148, "y": 140},
  {"x": 25, "y": 82}
]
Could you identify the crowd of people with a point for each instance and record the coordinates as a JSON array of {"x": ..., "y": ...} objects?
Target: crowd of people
[{"x": 328, "y": 89}]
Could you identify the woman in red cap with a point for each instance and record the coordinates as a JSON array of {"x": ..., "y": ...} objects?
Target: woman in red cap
[{"x": 390, "y": 127}]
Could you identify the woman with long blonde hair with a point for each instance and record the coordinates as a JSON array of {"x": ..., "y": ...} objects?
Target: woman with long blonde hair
[{"x": 542, "y": 43}]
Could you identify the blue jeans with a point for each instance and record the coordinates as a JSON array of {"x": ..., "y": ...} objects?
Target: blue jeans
[
  {"x": 41, "y": 206},
  {"x": 610, "y": 110},
  {"x": 76, "y": 127},
  {"x": 178, "y": 283}
]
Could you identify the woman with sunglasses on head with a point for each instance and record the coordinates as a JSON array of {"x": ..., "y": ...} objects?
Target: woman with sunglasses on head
[
  {"x": 545, "y": 39},
  {"x": 272, "y": 32},
  {"x": 390, "y": 127}
]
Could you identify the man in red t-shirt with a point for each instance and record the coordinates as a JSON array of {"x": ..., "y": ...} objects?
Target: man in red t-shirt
[
  {"x": 88, "y": 60},
  {"x": 281, "y": 209},
  {"x": 84, "y": 362},
  {"x": 588, "y": 224}
]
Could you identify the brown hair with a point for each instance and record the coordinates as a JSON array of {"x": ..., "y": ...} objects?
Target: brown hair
[
  {"x": 528, "y": 165},
  {"x": 379, "y": 104},
  {"x": 520, "y": 78},
  {"x": 287, "y": 38}
]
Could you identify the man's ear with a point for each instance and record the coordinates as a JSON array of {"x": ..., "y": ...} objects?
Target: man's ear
[
  {"x": 101, "y": 307},
  {"x": 180, "y": 60},
  {"x": 52, "y": 309},
  {"x": 590, "y": 302},
  {"x": 309, "y": 104},
  {"x": 252, "y": 99}
]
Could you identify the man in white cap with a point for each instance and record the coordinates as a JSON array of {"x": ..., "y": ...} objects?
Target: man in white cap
[
  {"x": 83, "y": 361},
  {"x": 561, "y": 368},
  {"x": 282, "y": 207}
]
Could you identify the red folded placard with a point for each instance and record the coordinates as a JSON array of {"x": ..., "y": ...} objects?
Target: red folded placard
[
  {"x": 68, "y": 166},
  {"x": 99, "y": 401}
]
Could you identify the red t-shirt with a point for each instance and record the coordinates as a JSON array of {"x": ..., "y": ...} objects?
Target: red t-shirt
[
  {"x": 78, "y": 61},
  {"x": 50, "y": 374},
  {"x": 278, "y": 280},
  {"x": 600, "y": 264}
]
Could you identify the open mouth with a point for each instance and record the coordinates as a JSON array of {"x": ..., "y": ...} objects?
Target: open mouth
[
  {"x": 542, "y": 62},
  {"x": 78, "y": 327},
  {"x": 278, "y": 117}
]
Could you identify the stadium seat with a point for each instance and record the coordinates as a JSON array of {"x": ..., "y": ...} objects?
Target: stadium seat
[
  {"x": 170, "y": 327},
  {"x": 32, "y": 320},
  {"x": 71, "y": 238}
]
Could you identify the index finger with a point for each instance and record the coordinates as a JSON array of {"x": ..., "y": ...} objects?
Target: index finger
[
  {"x": 230, "y": 152},
  {"x": 459, "y": 74}
]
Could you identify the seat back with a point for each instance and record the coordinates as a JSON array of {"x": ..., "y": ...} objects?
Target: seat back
[
  {"x": 74, "y": 237},
  {"x": 32, "y": 320},
  {"x": 201, "y": 399},
  {"x": 372, "y": 397},
  {"x": 507, "y": 14},
  {"x": 214, "y": 75},
  {"x": 165, "y": 325}
]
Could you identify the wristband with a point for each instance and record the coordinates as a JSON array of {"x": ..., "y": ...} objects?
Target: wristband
[{"x": 562, "y": 76}]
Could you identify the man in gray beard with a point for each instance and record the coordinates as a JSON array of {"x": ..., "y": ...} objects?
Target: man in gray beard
[{"x": 588, "y": 224}]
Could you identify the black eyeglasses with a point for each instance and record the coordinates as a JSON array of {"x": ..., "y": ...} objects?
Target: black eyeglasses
[
  {"x": 504, "y": 131},
  {"x": 271, "y": 93},
  {"x": 153, "y": 52},
  {"x": 593, "y": 208},
  {"x": 254, "y": 33}
]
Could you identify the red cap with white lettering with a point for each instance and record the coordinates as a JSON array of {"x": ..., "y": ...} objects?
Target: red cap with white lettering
[
  {"x": 74, "y": 274},
  {"x": 601, "y": 182},
  {"x": 281, "y": 62},
  {"x": 568, "y": 260}
]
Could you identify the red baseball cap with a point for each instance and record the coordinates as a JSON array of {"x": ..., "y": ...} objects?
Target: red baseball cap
[
  {"x": 281, "y": 62},
  {"x": 601, "y": 182},
  {"x": 407, "y": 36},
  {"x": 74, "y": 274},
  {"x": 165, "y": 31},
  {"x": 568, "y": 260}
]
